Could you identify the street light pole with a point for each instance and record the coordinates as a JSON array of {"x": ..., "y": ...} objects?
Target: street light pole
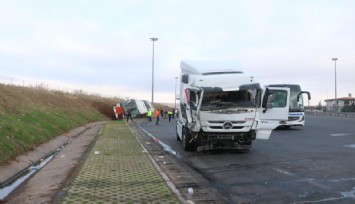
[
  {"x": 175, "y": 91},
  {"x": 336, "y": 99},
  {"x": 153, "y": 39}
]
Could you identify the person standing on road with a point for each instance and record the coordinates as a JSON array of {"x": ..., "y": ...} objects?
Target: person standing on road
[
  {"x": 129, "y": 114},
  {"x": 149, "y": 115},
  {"x": 170, "y": 114},
  {"x": 157, "y": 114}
]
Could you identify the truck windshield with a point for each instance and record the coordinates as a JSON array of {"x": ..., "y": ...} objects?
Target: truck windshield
[{"x": 228, "y": 99}]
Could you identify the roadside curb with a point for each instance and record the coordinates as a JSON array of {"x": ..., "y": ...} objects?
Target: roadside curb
[
  {"x": 191, "y": 184},
  {"x": 167, "y": 180}
]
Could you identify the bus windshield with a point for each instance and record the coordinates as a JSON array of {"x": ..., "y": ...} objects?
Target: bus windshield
[
  {"x": 295, "y": 91},
  {"x": 296, "y": 106}
]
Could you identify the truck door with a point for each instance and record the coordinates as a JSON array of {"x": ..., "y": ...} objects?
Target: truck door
[
  {"x": 273, "y": 112},
  {"x": 194, "y": 99}
]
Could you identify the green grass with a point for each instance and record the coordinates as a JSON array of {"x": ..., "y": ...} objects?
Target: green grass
[
  {"x": 29, "y": 116},
  {"x": 20, "y": 133}
]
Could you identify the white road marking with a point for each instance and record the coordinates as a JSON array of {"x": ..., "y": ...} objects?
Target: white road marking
[
  {"x": 344, "y": 195},
  {"x": 352, "y": 145},
  {"x": 341, "y": 134},
  {"x": 284, "y": 172}
]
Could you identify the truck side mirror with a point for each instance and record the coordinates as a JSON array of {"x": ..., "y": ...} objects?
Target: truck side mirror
[
  {"x": 185, "y": 78},
  {"x": 268, "y": 100},
  {"x": 265, "y": 98}
]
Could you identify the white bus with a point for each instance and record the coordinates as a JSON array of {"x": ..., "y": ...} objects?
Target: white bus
[
  {"x": 296, "y": 116},
  {"x": 138, "y": 107}
]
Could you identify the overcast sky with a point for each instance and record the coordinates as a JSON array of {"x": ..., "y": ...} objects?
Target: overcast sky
[{"x": 104, "y": 47}]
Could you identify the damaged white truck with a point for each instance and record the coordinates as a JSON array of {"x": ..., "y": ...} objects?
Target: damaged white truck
[{"x": 224, "y": 108}]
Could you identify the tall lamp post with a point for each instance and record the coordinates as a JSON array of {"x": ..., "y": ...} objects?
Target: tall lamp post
[
  {"x": 175, "y": 90},
  {"x": 336, "y": 99},
  {"x": 153, "y": 39}
]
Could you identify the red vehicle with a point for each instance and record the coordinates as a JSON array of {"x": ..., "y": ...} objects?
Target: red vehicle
[{"x": 119, "y": 112}]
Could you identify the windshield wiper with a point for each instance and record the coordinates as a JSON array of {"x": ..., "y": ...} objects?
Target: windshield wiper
[{"x": 220, "y": 103}]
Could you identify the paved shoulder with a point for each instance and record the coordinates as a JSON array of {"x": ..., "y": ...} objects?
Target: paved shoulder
[{"x": 117, "y": 170}]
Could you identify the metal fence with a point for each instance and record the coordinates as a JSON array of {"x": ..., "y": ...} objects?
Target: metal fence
[
  {"x": 332, "y": 114},
  {"x": 47, "y": 86}
]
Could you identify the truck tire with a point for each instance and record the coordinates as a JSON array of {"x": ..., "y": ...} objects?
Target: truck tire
[{"x": 186, "y": 138}]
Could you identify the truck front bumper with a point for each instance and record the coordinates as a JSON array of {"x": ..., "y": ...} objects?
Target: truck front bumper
[{"x": 223, "y": 145}]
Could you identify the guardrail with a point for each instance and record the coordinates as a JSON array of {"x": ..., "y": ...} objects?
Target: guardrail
[{"x": 332, "y": 114}]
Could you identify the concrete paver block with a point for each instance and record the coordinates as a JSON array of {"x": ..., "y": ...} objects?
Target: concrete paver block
[{"x": 120, "y": 173}]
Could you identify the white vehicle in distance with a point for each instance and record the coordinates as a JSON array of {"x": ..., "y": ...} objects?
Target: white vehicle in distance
[{"x": 296, "y": 115}]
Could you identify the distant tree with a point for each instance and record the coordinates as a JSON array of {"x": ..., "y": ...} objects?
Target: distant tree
[
  {"x": 350, "y": 108},
  {"x": 319, "y": 107}
]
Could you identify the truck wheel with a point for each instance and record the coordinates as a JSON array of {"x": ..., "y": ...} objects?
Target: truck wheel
[{"x": 186, "y": 138}]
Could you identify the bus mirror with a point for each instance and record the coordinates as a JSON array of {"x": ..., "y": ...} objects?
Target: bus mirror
[{"x": 304, "y": 92}]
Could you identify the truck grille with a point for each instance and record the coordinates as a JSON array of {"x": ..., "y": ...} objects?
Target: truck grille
[{"x": 233, "y": 125}]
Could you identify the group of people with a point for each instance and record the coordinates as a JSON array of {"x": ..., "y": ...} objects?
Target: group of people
[
  {"x": 162, "y": 113},
  {"x": 157, "y": 114}
]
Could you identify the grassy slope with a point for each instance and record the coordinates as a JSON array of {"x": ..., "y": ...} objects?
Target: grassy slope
[{"x": 30, "y": 116}]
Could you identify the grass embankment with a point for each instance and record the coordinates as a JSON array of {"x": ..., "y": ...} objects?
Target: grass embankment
[{"x": 31, "y": 116}]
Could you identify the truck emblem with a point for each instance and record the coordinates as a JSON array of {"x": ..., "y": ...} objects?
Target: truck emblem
[{"x": 227, "y": 125}]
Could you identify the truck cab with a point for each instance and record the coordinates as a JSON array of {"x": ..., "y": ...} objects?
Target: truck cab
[{"x": 223, "y": 108}]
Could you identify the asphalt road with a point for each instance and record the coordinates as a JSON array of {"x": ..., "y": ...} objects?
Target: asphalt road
[{"x": 310, "y": 164}]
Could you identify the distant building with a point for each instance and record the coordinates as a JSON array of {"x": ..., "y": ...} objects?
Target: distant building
[
  {"x": 343, "y": 101},
  {"x": 311, "y": 108}
]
